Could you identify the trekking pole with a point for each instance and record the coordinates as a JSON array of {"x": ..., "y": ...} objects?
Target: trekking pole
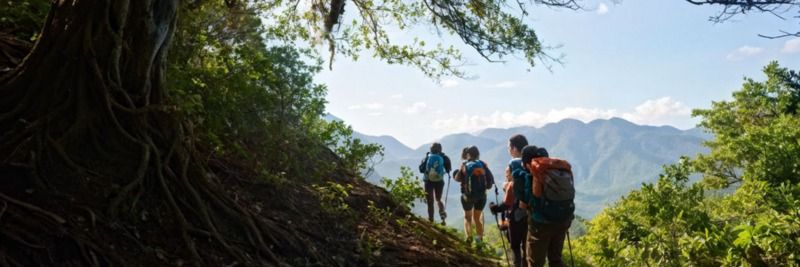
[
  {"x": 569, "y": 243},
  {"x": 505, "y": 251},
  {"x": 447, "y": 191},
  {"x": 446, "y": 195}
]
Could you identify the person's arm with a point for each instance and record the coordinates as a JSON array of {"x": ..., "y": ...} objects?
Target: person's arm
[
  {"x": 447, "y": 163},
  {"x": 497, "y": 208},
  {"x": 508, "y": 196},
  {"x": 459, "y": 173},
  {"x": 489, "y": 176}
]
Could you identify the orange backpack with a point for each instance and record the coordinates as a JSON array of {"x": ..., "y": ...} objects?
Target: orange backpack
[{"x": 553, "y": 187}]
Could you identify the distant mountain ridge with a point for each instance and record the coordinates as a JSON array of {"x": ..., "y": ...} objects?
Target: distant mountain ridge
[{"x": 610, "y": 157}]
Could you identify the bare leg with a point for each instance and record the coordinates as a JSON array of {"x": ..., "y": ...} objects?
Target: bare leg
[
  {"x": 468, "y": 223},
  {"x": 477, "y": 216}
]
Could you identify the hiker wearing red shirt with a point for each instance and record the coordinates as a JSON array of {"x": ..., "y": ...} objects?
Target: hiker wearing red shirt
[{"x": 516, "y": 217}]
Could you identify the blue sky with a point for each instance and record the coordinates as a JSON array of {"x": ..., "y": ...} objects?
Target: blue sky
[{"x": 648, "y": 61}]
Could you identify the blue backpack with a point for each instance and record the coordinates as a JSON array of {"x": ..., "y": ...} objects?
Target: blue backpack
[
  {"x": 434, "y": 169},
  {"x": 476, "y": 182}
]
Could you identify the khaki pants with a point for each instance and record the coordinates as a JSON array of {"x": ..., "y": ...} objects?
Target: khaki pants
[{"x": 546, "y": 240}]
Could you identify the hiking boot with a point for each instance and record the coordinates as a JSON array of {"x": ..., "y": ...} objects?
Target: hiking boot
[{"x": 443, "y": 214}]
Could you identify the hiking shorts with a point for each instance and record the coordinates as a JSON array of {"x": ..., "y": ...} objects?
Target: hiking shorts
[
  {"x": 434, "y": 187},
  {"x": 473, "y": 203}
]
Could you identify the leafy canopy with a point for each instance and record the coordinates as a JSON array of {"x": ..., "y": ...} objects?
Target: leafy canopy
[
  {"x": 746, "y": 209},
  {"x": 495, "y": 29}
]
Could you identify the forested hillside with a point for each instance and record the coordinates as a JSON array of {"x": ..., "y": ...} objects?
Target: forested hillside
[{"x": 746, "y": 209}]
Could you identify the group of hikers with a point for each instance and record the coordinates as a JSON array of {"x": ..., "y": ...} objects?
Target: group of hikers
[{"x": 538, "y": 204}]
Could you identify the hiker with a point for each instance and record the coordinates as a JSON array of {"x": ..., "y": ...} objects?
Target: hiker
[
  {"x": 517, "y": 217},
  {"x": 475, "y": 178},
  {"x": 434, "y": 167},
  {"x": 549, "y": 198}
]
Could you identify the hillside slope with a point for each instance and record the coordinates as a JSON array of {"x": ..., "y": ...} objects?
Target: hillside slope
[{"x": 303, "y": 231}]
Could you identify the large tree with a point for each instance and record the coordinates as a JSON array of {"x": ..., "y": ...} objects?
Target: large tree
[{"x": 85, "y": 126}]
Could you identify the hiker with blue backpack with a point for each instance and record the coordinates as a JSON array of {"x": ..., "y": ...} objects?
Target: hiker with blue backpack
[
  {"x": 476, "y": 179},
  {"x": 434, "y": 167},
  {"x": 548, "y": 196}
]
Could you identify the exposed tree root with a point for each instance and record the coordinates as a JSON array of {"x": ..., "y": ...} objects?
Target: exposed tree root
[{"x": 97, "y": 131}]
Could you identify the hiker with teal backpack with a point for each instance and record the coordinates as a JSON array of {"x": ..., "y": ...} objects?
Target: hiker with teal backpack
[
  {"x": 434, "y": 167},
  {"x": 476, "y": 179},
  {"x": 517, "y": 217},
  {"x": 549, "y": 195}
]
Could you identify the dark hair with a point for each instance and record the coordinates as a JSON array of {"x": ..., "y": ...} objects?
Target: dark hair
[
  {"x": 473, "y": 151},
  {"x": 531, "y": 152},
  {"x": 436, "y": 148},
  {"x": 518, "y": 141},
  {"x": 464, "y": 153}
]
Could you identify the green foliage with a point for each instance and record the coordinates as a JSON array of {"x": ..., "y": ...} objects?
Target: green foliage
[
  {"x": 371, "y": 246},
  {"x": 406, "y": 189},
  {"x": 494, "y": 243},
  {"x": 23, "y": 18},
  {"x": 333, "y": 197},
  {"x": 652, "y": 226},
  {"x": 356, "y": 156},
  {"x": 675, "y": 223},
  {"x": 256, "y": 102},
  {"x": 755, "y": 134},
  {"x": 245, "y": 100}
]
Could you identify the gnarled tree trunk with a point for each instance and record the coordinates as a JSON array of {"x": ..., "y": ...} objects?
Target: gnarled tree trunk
[{"x": 84, "y": 129}]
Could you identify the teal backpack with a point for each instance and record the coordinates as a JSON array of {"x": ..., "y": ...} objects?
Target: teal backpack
[
  {"x": 434, "y": 169},
  {"x": 476, "y": 182}
]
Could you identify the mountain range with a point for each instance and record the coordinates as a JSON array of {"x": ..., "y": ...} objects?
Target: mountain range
[{"x": 609, "y": 157}]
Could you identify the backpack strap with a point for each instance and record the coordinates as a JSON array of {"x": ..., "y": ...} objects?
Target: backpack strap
[{"x": 423, "y": 165}]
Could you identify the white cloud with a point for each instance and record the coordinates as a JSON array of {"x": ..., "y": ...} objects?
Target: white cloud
[
  {"x": 370, "y": 106},
  {"x": 449, "y": 83},
  {"x": 397, "y": 96},
  {"x": 743, "y": 52},
  {"x": 375, "y": 114},
  {"x": 466, "y": 123},
  {"x": 505, "y": 84},
  {"x": 374, "y": 106},
  {"x": 659, "y": 111},
  {"x": 602, "y": 9},
  {"x": 417, "y": 107},
  {"x": 791, "y": 46}
]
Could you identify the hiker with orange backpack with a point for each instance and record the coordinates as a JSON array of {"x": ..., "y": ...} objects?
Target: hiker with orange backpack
[
  {"x": 476, "y": 179},
  {"x": 517, "y": 218},
  {"x": 434, "y": 167},
  {"x": 549, "y": 197}
]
